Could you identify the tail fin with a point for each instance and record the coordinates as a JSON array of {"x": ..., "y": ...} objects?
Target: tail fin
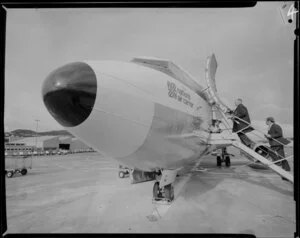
[{"x": 210, "y": 73}]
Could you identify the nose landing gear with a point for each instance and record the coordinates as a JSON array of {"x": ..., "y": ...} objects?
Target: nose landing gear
[{"x": 163, "y": 189}]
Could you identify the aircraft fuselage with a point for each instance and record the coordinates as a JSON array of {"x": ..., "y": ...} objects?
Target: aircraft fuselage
[{"x": 139, "y": 116}]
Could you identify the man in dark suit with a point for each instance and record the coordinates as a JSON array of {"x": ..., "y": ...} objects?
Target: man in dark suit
[
  {"x": 241, "y": 122},
  {"x": 275, "y": 132}
]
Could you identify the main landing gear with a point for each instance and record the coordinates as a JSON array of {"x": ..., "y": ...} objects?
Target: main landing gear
[
  {"x": 223, "y": 157},
  {"x": 163, "y": 189}
]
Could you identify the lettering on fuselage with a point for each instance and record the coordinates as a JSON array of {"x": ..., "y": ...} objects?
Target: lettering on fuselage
[{"x": 179, "y": 94}]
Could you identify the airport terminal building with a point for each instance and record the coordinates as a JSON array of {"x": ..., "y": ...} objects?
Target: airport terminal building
[
  {"x": 45, "y": 144},
  {"x": 41, "y": 143},
  {"x": 77, "y": 145}
]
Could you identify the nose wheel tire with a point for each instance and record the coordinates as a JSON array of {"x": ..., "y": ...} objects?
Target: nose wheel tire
[
  {"x": 167, "y": 194},
  {"x": 156, "y": 190}
]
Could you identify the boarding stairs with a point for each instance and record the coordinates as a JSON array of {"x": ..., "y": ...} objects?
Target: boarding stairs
[
  {"x": 227, "y": 138},
  {"x": 221, "y": 140},
  {"x": 224, "y": 139},
  {"x": 249, "y": 151},
  {"x": 264, "y": 161}
]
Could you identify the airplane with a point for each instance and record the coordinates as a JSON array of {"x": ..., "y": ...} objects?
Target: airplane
[{"x": 148, "y": 114}]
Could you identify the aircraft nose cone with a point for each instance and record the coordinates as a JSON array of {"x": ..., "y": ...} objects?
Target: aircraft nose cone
[{"x": 69, "y": 93}]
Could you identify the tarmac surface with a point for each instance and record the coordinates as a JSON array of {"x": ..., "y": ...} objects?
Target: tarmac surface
[{"x": 82, "y": 193}]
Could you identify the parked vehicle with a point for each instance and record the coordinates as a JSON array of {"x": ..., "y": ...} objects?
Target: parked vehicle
[{"x": 17, "y": 164}]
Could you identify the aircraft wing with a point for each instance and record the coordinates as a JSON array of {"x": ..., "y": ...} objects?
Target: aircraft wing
[{"x": 173, "y": 70}]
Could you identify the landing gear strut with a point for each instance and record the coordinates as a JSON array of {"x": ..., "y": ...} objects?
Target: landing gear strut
[
  {"x": 166, "y": 193},
  {"x": 123, "y": 170},
  {"x": 223, "y": 156},
  {"x": 163, "y": 189}
]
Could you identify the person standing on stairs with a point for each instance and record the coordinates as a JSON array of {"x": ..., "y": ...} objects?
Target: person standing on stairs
[
  {"x": 277, "y": 142},
  {"x": 241, "y": 122}
]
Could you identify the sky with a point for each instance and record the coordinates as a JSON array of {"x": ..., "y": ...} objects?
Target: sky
[{"x": 253, "y": 47}]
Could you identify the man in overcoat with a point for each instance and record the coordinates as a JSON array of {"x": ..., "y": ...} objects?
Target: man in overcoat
[
  {"x": 241, "y": 122},
  {"x": 277, "y": 142}
]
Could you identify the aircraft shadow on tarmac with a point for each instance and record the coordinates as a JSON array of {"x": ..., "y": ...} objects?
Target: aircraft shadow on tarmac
[
  {"x": 202, "y": 182},
  {"x": 199, "y": 185},
  {"x": 265, "y": 183}
]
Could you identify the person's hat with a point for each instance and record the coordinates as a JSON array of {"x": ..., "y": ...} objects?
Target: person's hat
[{"x": 271, "y": 119}]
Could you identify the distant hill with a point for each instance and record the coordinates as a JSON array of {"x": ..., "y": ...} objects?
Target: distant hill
[
  {"x": 55, "y": 133},
  {"x": 30, "y": 133}
]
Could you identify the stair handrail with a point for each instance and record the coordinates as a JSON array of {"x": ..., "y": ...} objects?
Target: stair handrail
[
  {"x": 255, "y": 128},
  {"x": 248, "y": 125}
]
